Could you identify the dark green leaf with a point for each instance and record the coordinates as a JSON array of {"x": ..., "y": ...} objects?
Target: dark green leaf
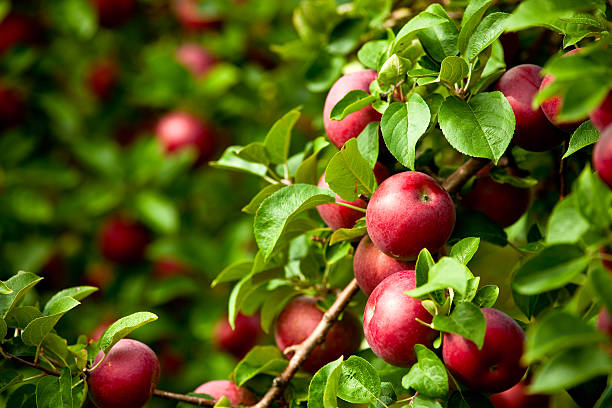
[
  {"x": 476, "y": 224},
  {"x": 345, "y": 36},
  {"x": 440, "y": 40},
  {"x": 9, "y": 377},
  {"x": 261, "y": 359},
  {"x": 593, "y": 198}
]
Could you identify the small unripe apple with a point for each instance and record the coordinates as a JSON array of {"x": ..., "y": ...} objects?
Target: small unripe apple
[
  {"x": 602, "y": 156},
  {"x": 602, "y": 115},
  {"x": 299, "y": 319},
  {"x": 494, "y": 368},
  {"x": 390, "y": 320},
  {"x": 12, "y": 107},
  {"x": 195, "y": 58},
  {"x": 102, "y": 78},
  {"x": 178, "y": 130},
  {"x": 17, "y": 29},
  {"x": 533, "y": 131},
  {"x": 552, "y": 106},
  {"x": 337, "y": 216},
  {"x": 517, "y": 397},
  {"x": 112, "y": 13},
  {"x": 240, "y": 340},
  {"x": 191, "y": 17},
  {"x": 351, "y": 126},
  {"x": 123, "y": 240},
  {"x": 502, "y": 202},
  {"x": 371, "y": 266},
  {"x": 223, "y": 388},
  {"x": 408, "y": 212},
  {"x": 126, "y": 378}
]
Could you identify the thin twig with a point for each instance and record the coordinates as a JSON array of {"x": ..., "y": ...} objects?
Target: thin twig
[
  {"x": 30, "y": 364},
  {"x": 455, "y": 181},
  {"x": 200, "y": 402}
]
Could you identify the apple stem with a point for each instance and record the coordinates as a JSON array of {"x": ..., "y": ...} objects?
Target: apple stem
[
  {"x": 30, "y": 364},
  {"x": 455, "y": 181}
]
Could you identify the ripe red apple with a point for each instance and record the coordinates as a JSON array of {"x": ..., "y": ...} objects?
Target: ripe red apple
[
  {"x": 178, "y": 130},
  {"x": 195, "y": 58},
  {"x": 533, "y": 131},
  {"x": 602, "y": 115},
  {"x": 112, "y": 13},
  {"x": 351, "y": 126},
  {"x": 602, "y": 156},
  {"x": 17, "y": 29},
  {"x": 517, "y": 397},
  {"x": 122, "y": 240},
  {"x": 408, "y": 212},
  {"x": 299, "y": 319},
  {"x": 191, "y": 17},
  {"x": 102, "y": 78},
  {"x": 126, "y": 378},
  {"x": 223, "y": 388},
  {"x": 552, "y": 106},
  {"x": 371, "y": 266},
  {"x": 604, "y": 322},
  {"x": 502, "y": 202},
  {"x": 494, "y": 368},
  {"x": 12, "y": 107},
  {"x": 337, "y": 216},
  {"x": 239, "y": 341},
  {"x": 389, "y": 320}
]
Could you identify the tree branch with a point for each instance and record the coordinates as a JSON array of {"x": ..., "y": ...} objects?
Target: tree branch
[
  {"x": 30, "y": 364},
  {"x": 304, "y": 349},
  {"x": 455, "y": 181},
  {"x": 200, "y": 402}
]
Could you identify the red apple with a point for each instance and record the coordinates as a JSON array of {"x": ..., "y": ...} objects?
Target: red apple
[
  {"x": 178, "y": 130},
  {"x": 604, "y": 322},
  {"x": 602, "y": 115},
  {"x": 102, "y": 78},
  {"x": 602, "y": 156},
  {"x": 12, "y": 107},
  {"x": 371, "y": 266},
  {"x": 502, "y": 202},
  {"x": 126, "y": 378},
  {"x": 112, "y": 13},
  {"x": 123, "y": 240},
  {"x": 517, "y": 397},
  {"x": 337, "y": 216},
  {"x": 223, "y": 388},
  {"x": 239, "y": 341},
  {"x": 533, "y": 131},
  {"x": 351, "y": 126},
  {"x": 408, "y": 212},
  {"x": 17, "y": 29},
  {"x": 195, "y": 58},
  {"x": 190, "y": 15},
  {"x": 389, "y": 320},
  {"x": 552, "y": 106},
  {"x": 299, "y": 319},
  {"x": 494, "y": 368}
]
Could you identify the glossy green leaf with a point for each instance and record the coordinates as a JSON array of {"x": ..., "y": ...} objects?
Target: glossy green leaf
[
  {"x": 466, "y": 320},
  {"x": 453, "y": 69},
  {"x": 348, "y": 174},
  {"x": 37, "y": 329},
  {"x": 8, "y": 378},
  {"x": 428, "y": 376},
  {"x": 323, "y": 389},
  {"x": 545, "y": 13},
  {"x": 347, "y": 234},
  {"x": 372, "y": 52},
  {"x": 471, "y": 18},
  {"x": 585, "y": 135},
  {"x": 489, "y": 30},
  {"x": 261, "y": 359},
  {"x": 278, "y": 139},
  {"x": 566, "y": 224},
  {"x": 267, "y": 191},
  {"x": 20, "y": 284},
  {"x": 230, "y": 161},
  {"x": 77, "y": 293},
  {"x": 465, "y": 249},
  {"x": 359, "y": 382},
  {"x": 367, "y": 142},
  {"x": 353, "y": 101},
  {"x": 393, "y": 71},
  {"x": 446, "y": 273},
  {"x": 122, "y": 328},
  {"x": 424, "y": 19},
  {"x": 486, "y": 296},
  {"x": 275, "y": 304}
]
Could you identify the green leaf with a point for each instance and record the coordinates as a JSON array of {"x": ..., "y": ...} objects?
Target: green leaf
[
  {"x": 359, "y": 382},
  {"x": 393, "y": 71},
  {"x": 348, "y": 234},
  {"x": 424, "y": 19},
  {"x": 278, "y": 139},
  {"x": 230, "y": 161},
  {"x": 345, "y": 36},
  {"x": 466, "y": 320},
  {"x": 489, "y": 30},
  {"x": 556, "y": 331},
  {"x": 545, "y": 13},
  {"x": 421, "y": 401},
  {"x": 21, "y": 316},
  {"x": 486, "y": 296},
  {"x": 5, "y": 290},
  {"x": 157, "y": 211},
  {"x": 20, "y": 284},
  {"x": 402, "y": 126},
  {"x": 323, "y": 71},
  {"x": 372, "y": 52},
  {"x": 54, "y": 392},
  {"x": 440, "y": 40},
  {"x": 3, "y": 329},
  {"x": 37, "y": 329},
  {"x": 353, "y": 101},
  {"x": 323, "y": 387},
  {"x": 348, "y": 174},
  {"x": 465, "y": 249},
  {"x": 453, "y": 69},
  {"x": 306, "y": 172},
  {"x": 423, "y": 264},
  {"x": 585, "y": 135},
  {"x": 428, "y": 376},
  {"x": 123, "y": 327},
  {"x": 601, "y": 283},
  {"x": 278, "y": 210},
  {"x": 570, "y": 368},
  {"x": 552, "y": 268},
  {"x": 261, "y": 359},
  {"x": 77, "y": 293},
  {"x": 367, "y": 142},
  {"x": 8, "y": 378},
  {"x": 481, "y": 128},
  {"x": 593, "y": 198},
  {"x": 275, "y": 303},
  {"x": 447, "y": 273},
  {"x": 23, "y": 397},
  {"x": 253, "y": 205},
  {"x": 566, "y": 224},
  {"x": 235, "y": 271},
  {"x": 476, "y": 224},
  {"x": 254, "y": 152},
  {"x": 471, "y": 17}
]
